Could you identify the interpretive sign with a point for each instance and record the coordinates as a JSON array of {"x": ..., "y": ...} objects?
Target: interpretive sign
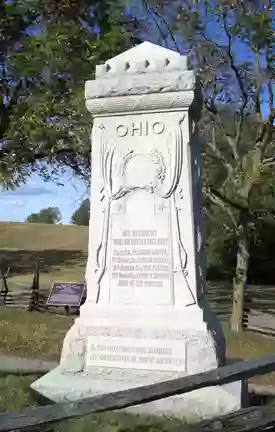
[{"x": 66, "y": 294}]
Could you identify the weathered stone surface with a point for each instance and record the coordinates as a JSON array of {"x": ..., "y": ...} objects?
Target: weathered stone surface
[{"x": 145, "y": 318}]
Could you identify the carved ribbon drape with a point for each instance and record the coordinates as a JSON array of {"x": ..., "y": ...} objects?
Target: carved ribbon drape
[{"x": 113, "y": 166}]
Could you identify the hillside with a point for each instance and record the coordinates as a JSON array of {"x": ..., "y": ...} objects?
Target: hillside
[{"x": 62, "y": 251}]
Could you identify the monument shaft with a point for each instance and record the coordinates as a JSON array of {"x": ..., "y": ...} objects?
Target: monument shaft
[{"x": 145, "y": 318}]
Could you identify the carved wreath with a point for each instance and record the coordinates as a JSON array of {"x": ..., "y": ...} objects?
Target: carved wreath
[{"x": 113, "y": 171}]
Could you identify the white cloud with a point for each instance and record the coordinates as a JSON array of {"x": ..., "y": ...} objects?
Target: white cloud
[
  {"x": 15, "y": 203},
  {"x": 27, "y": 190}
]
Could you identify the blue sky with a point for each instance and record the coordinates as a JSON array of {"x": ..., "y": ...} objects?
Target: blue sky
[{"x": 36, "y": 194}]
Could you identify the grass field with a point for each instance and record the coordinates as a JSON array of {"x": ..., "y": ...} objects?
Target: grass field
[
  {"x": 62, "y": 251},
  {"x": 40, "y": 335}
]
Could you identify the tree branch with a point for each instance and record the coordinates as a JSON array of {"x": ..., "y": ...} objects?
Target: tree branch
[
  {"x": 13, "y": 99},
  {"x": 240, "y": 83},
  {"x": 220, "y": 202},
  {"x": 227, "y": 200},
  {"x": 266, "y": 132},
  {"x": 215, "y": 220},
  {"x": 216, "y": 152},
  {"x": 155, "y": 12},
  {"x": 232, "y": 62}
]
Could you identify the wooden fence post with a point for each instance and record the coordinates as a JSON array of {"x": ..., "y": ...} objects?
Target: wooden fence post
[
  {"x": 4, "y": 286},
  {"x": 35, "y": 288}
]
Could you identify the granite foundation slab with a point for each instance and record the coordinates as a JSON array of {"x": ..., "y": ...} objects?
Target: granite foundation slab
[
  {"x": 200, "y": 404},
  {"x": 113, "y": 351}
]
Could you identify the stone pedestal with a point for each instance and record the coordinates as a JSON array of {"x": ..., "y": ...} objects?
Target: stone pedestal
[{"x": 145, "y": 318}]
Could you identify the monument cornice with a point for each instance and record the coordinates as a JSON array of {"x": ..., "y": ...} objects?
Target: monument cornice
[
  {"x": 140, "y": 103},
  {"x": 147, "y": 78}
]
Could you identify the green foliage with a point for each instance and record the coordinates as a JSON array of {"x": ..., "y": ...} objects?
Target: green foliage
[
  {"x": 47, "y": 52},
  {"x": 82, "y": 215},
  {"x": 50, "y": 215},
  {"x": 220, "y": 244},
  {"x": 238, "y": 143}
]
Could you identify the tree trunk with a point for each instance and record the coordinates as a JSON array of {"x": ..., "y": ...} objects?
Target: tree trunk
[{"x": 239, "y": 281}]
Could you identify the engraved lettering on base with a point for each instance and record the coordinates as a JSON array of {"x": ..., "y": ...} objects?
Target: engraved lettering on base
[{"x": 130, "y": 353}]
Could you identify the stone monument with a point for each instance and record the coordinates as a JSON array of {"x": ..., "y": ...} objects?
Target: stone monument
[{"x": 145, "y": 318}]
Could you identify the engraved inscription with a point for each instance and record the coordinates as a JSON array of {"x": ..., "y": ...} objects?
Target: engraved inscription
[
  {"x": 136, "y": 354},
  {"x": 140, "y": 129},
  {"x": 140, "y": 259},
  {"x": 140, "y": 265}
]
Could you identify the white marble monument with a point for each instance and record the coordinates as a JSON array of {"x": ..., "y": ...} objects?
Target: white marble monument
[{"x": 145, "y": 318}]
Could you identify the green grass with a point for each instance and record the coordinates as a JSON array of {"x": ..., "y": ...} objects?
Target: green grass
[
  {"x": 40, "y": 335},
  {"x": 63, "y": 252},
  {"x": 32, "y": 334},
  {"x": 15, "y": 394},
  {"x": 120, "y": 422},
  {"x": 36, "y": 335},
  {"x": 61, "y": 249}
]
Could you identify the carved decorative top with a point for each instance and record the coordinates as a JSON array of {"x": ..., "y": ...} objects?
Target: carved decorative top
[
  {"x": 148, "y": 76},
  {"x": 143, "y": 58},
  {"x": 174, "y": 100}
]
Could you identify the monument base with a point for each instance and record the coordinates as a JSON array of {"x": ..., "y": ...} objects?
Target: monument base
[
  {"x": 113, "y": 349},
  {"x": 200, "y": 404}
]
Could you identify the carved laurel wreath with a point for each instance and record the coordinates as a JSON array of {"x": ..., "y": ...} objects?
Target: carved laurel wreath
[
  {"x": 108, "y": 169},
  {"x": 110, "y": 166}
]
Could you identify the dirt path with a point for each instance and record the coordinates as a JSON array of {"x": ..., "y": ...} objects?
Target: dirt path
[{"x": 19, "y": 366}]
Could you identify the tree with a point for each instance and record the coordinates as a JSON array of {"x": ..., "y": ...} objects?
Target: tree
[
  {"x": 49, "y": 215},
  {"x": 82, "y": 215},
  {"x": 238, "y": 139},
  {"x": 47, "y": 51}
]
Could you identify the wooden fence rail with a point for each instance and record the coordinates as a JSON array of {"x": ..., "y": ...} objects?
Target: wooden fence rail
[
  {"x": 259, "y": 302},
  {"x": 22, "y": 297},
  {"x": 46, "y": 415}
]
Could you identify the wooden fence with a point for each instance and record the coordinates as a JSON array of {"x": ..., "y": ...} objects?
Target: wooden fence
[
  {"x": 30, "y": 297},
  {"x": 21, "y": 297},
  {"x": 219, "y": 296},
  {"x": 247, "y": 419},
  {"x": 259, "y": 303}
]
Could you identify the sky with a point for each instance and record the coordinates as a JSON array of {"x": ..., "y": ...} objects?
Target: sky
[{"x": 36, "y": 194}]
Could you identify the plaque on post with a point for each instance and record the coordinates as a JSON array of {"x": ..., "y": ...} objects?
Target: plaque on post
[{"x": 66, "y": 294}]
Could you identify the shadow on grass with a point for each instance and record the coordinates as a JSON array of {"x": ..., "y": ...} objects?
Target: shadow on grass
[{"x": 23, "y": 261}]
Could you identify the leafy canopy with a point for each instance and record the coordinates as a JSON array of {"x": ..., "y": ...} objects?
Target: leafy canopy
[
  {"x": 49, "y": 215},
  {"x": 47, "y": 51},
  {"x": 82, "y": 215}
]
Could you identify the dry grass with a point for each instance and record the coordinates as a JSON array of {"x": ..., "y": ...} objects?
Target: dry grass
[
  {"x": 61, "y": 249},
  {"x": 39, "y": 237},
  {"x": 32, "y": 334},
  {"x": 63, "y": 252},
  {"x": 40, "y": 335},
  {"x": 36, "y": 335}
]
